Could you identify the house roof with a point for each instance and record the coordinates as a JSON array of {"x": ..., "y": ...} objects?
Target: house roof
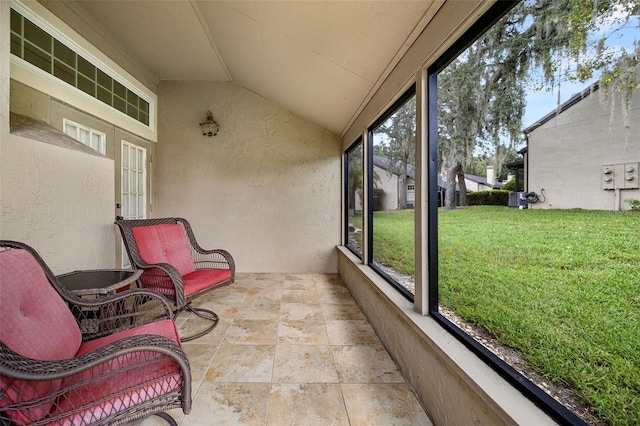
[
  {"x": 563, "y": 107},
  {"x": 482, "y": 180},
  {"x": 383, "y": 163},
  {"x": 518, "y": 164},
  {"x": 322, "y": 60}
]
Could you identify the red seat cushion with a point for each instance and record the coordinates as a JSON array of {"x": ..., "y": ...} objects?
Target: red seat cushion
[
  {"x": 35, "y": 322},
  {"x": 137, "y": 377},
  {"x": 165, "y": 244},
  {"x": 204, "y": 278}
]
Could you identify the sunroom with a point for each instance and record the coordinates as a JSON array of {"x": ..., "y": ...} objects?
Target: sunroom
[{"x": 295, "y": 89}]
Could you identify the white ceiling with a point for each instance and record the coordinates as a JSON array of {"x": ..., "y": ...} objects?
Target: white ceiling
[{"x": 319, "y": 59}]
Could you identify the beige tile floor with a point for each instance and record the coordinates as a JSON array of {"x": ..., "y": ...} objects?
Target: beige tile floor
[{"x": 291, "y": 349}]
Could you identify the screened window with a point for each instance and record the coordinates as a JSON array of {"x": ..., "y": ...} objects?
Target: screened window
[
  {"x": 532, "y": 278},
  {"x": 88, "y": 136},
  {"x": 354, "y": 193},
  {"x": 391, "y": 167}
]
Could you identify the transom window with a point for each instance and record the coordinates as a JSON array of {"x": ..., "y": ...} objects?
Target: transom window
[{"x": 37, "y": 47}]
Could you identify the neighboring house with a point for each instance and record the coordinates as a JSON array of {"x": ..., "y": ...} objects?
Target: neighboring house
[
  {"x": 581, "y": 155},
  {"x": 479, "y": 183},
  {"x": 389, "y": 181}
]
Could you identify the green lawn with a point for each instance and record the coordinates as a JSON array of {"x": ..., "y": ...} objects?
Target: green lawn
[{"x": 560, "y": 286}]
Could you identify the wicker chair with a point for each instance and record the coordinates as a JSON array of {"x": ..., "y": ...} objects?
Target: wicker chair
[
  {"x": 175, "y": 265},
  {"x": 55, "y": 369}
]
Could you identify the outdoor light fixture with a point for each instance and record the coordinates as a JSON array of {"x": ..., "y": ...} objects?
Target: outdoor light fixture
[{"x": 210, "y": 127}]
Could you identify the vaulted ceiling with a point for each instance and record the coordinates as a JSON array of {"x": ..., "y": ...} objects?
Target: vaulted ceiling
[{"x": 320, "y": 59}]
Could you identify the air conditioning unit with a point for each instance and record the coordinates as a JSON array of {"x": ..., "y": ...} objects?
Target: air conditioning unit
[{"x": 516, "y": 201}]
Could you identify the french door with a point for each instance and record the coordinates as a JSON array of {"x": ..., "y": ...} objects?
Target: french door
[{"x": 133, "y": 186}]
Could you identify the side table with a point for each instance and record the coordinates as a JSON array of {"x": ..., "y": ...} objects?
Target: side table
[{"x": 98, "y": 282}]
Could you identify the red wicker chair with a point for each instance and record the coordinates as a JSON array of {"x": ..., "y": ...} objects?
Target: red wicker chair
[
  {"x": 175, "y": 265},
  {"x": 72, "y": 361}
]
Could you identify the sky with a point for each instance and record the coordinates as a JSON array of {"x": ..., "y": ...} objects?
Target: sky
[{"x": 542, "y": 102}]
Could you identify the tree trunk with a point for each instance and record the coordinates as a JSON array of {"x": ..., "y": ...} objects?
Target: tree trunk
[
  {"x": 450, "y": 199},
  {"x": 402, "y": 187},
  {"x": 463, "y": 186}
]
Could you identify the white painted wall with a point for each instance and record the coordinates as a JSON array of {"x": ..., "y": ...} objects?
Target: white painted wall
[
  {"x": 59, "y": 201},
  {"x": 266, "y": 188}
]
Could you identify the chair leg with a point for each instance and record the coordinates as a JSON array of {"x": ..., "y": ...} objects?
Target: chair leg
[
  {"x": 167, "y": 418},
  {"x": 205, "y": 314}
]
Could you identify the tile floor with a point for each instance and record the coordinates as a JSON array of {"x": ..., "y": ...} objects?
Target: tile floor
[{"x": 291, "y": 349}]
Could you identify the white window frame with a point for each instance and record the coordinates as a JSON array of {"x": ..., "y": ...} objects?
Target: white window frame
[{"x": 102, "y": 137}]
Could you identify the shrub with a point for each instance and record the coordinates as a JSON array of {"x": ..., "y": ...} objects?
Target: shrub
[
  {"x": 378, "y": 195},
  {"x": 635, "y": 204},
  {"x": 498, "y": 197},
  {"x": 510, "y": 186}
]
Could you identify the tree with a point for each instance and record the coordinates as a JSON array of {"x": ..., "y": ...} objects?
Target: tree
[
  {"x": 354, "y": 178},
  {"x": 481, "y": 94},
  {"x": 398, "y": 144}
]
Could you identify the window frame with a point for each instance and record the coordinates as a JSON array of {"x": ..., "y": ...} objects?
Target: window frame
[
  {"x": 102, "y": 135},
  {"x": 396, "y": 105},
  {"x": 540, "y": 398}
]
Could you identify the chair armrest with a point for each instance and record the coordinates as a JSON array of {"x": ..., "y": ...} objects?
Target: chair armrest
[
  {"x": 207, "y": 259},
  {"x": 120, "y": 311},
  {"x": 19, "y": 367},
  {"x": 68, "y": 377},
  {"x": 161, "y": 273},
  {"x": 214, "y": 259}
]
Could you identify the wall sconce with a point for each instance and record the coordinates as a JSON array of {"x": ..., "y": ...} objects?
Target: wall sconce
[{"x": 210, "y": 127}]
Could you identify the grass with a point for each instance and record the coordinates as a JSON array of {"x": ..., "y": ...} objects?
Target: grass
[
  {"x": 560, "y": 286},
  {"x": 392, "y": 251},
  {"x": 393, "y": 241}
]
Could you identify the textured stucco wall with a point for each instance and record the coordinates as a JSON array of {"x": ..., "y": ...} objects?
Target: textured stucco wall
[
  {"x": 59, "y": 201},
  {"x": 453, "y": 385},
  {"x": 566, "y": 155},
  {"x": 266, "y": 188}
]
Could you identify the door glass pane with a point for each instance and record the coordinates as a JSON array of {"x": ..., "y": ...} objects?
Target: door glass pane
[{"x": 133, "y": 181}]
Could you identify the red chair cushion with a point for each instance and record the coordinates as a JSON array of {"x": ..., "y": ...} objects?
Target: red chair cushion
[
  {"x": 140, "y": 376},
  {"x": 204, "y": 278},
  {"x": 166, "y": 328},
  {"x": 165, "y": 244},
  {"x": 43, "y": 331}
]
